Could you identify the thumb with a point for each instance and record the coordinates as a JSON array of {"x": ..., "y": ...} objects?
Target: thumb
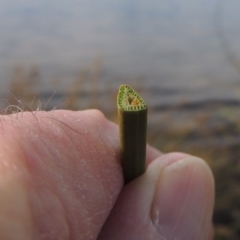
[{"x": 172, "y": 200}]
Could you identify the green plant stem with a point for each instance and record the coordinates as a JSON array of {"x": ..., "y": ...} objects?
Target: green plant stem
[{"x": 132, "y": 115}]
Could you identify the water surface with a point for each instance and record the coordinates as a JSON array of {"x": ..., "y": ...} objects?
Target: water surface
[{"x": 170, "y": 44}]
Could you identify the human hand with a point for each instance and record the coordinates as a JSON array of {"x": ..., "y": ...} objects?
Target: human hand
[{"x": 61, "y": 178}]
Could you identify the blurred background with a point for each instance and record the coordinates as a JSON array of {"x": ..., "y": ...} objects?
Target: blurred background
[{"x": 183, "y": 56}]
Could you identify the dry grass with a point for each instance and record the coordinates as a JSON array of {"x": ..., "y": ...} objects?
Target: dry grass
[{"x": 211, "y": 131}]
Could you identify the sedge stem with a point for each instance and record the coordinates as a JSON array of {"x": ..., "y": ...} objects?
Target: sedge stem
[{"x": 132, "y": 115}]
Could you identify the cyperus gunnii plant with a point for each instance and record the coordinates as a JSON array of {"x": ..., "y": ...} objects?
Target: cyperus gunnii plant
[{"x": 132, "y": 115}]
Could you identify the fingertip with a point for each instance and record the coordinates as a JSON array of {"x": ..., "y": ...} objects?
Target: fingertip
[{"x": 173, "y": 199}]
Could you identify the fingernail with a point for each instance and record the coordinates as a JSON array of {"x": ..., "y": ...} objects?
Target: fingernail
[{"x": 183, "y": 201}]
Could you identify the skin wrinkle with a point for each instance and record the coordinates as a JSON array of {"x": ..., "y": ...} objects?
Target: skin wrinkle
[
  {"x": 104, "y": 211},
  {"x": 113, "y": 193},
  {"x": 63, "y": 227},
  {"x": 103, "y": 150},
  {"x": 41, "y": 181},
  {"x": 31, "y": 153},
  {"x": 106, "y": 151},
  {"x": 91, "y": 144},
  {"x": 86, "y": 188}
]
